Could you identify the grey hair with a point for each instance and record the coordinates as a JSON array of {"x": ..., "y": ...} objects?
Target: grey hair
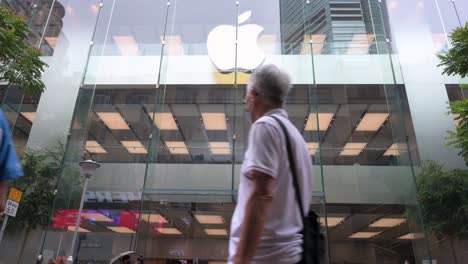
[{"x": 270, "y": 82}]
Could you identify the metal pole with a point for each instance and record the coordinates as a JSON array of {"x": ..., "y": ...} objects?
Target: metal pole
[
  {"x": 5, "y": 220},
  {"x": 78, "y": 221}
]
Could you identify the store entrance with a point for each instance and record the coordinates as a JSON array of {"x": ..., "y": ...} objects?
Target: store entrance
[{"x": 199, "y": 233}]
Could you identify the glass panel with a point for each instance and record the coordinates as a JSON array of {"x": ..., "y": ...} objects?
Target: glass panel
[
  {"x": 23, "y": 9},
  {"x": 190, "y": 168},
  {"x": 461, "y": 7},
  {"x": 361, "y": 126},
  {"x": 425, "y": 24},
  {"x": 20, "y": 111},
  {"x": 24, "y": 122},
  {"x": 442, "y": 19},
  {"x": 11, "y": 103},
  {"x": 110, "y": 125},
  {"x": 364, "y": 150},
  {"x": 413, "y": 39},
  {"x": 45, "y": 19}
]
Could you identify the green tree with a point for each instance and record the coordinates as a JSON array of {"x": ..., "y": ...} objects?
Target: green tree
[
  {"x": 455, "y": 62},
  {"x": 443, "y": 196},
  {"x": 459, "y": 138},
  {"x": 20, "y": 63},
  {"x": 41, "y": 171}
]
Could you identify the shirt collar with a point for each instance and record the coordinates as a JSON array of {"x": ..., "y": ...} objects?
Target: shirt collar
[{"x": 277, "y": 111}]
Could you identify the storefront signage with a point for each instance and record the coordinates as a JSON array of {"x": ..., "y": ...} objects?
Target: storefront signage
[
  {"x": 67, "y": 217},
  {"x": 176, "y": 252},
  {"x": 222, "y": 49},
  {"x": 111, "y": 197}
]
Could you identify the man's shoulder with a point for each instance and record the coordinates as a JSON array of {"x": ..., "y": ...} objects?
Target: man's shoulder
[
  {"x": 266, "y": 119},
  {"x": 265, "y": 124}
]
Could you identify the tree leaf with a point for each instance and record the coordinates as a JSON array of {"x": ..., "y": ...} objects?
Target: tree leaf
[
  {"x": 21, "y": 65},
  {"x": 443, "y": 199}
]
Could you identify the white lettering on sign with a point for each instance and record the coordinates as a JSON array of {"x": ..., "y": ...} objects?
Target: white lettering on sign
[
  {"x": 119, "y": 197},
  {"x": 111, "y": 197},
  {"x": 11, "y": 208},
  {"x": 104, "y": 197},
  {"x": 90, "y": 197},
  {"x": 176, "y": 252},
  {"x": 132, "y": 197}
]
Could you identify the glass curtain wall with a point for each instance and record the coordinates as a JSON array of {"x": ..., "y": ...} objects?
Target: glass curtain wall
[
  {"x": 58, "y": 29},
  {"x": 366, "y": 137},
  {"x": 19, "y": 109},
  {"x": 160, "y": 107}
]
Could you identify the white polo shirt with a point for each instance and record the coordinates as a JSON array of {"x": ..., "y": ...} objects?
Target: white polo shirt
[{"x": 281, "y": 241}]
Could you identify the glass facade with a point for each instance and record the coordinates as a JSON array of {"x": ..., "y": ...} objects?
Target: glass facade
[{"x": 153, "y": 90}]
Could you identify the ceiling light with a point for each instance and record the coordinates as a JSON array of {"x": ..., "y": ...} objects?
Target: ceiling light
[
  {"x": 80, "y": 229},
  {"x": 216, "y": 232},
  {"x": 393, "y": 5},
  {"x": 94, "y": 8},
  {"x": 127, "y": 45},
  {"x": 168, "y": 231},
  {"x": 209, "y": 219},
  {"x": 164, "y": 121},
  {"x": 113, "y": 120},
  {"x": 121, "y": 229},
  {"x": 364, "y": 234},
  {"x": 332, "y": 221},
  {"x": 214, "y": 121},
  {"x": 396, "y": 149},
  {"x": 177, "y": 147},
  {"x": 372, "y": 121},
  {"x": 387, "y": 222},
  {"x": 174, "y": 45},
  {"x": 93, "y": 146},
  {"x": 318, "y": 40},
  {"x": 30, "y": 116},
  {"x": 134, "y": 147},
  {"x": 312, "y": 147},
  {"x": 52, "y": 41},
  {"x": 352, "y": 149},
  {"x": 97, "y": 217},
  {"x": 220, "y": 148},
  {"x": 411, "y": 236},
  {"x": 324, "y": 121},
  {"x": 360, "y": 44},
  {"x": 153, "y": 218}
]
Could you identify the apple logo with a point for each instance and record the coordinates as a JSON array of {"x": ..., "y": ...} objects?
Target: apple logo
[{"x": 222, "y": 49}]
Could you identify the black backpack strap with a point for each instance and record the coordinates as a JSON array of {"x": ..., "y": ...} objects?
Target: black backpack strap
[{"x": 292, "y": 165}]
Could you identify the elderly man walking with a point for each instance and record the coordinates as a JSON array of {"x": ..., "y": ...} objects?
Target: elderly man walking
[{"x": 267, "y": 223}]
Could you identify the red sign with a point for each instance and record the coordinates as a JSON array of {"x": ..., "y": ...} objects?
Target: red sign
[
  {"x": 67, "y": 217},
  {"x": 64, "y": 218}
]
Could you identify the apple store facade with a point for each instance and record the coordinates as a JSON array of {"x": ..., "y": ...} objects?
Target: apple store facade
[{"x": 153, "y": 90}]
